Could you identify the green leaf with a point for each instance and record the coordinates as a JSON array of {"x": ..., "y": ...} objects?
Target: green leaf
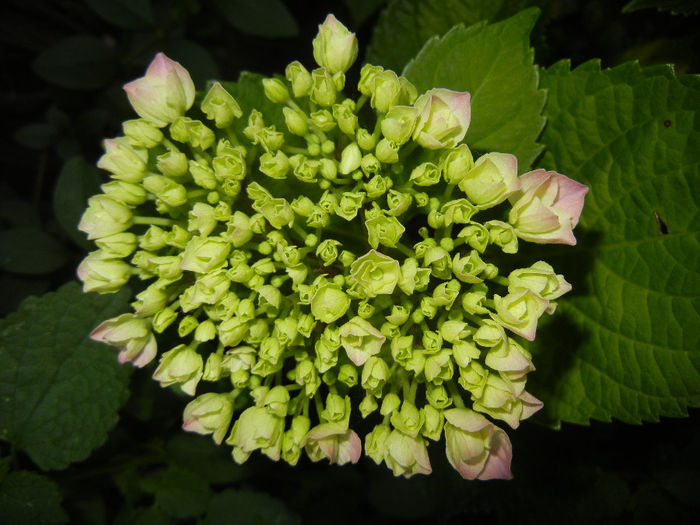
[
  {"x": 178, "y": 492},
  {"x": 78, "y": 62},
  {"x": 126, "y": 14},
  {"x": 30, "y": 251},
  {"x": 266, "y": 18},
  {"x": 28, "y": 497},
  {"x": 684, "y": 7},
  {"x": 249, "y": 508},
  {"x": 77, "y": 182},
  {"x": 495, "y": 64},
  {"x": 36, "y": 136},
  {"x": 59, "y": 390},
  {"x": 625, "y": 344},
  {"x": 419, "y": 20}
]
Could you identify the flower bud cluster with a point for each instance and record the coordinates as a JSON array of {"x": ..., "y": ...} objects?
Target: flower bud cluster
[{"x": 336, "y": 267}]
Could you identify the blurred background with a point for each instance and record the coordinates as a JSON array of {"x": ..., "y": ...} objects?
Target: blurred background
[{"x": 64, "y": 62}]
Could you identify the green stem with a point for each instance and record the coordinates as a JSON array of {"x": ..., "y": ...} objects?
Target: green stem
[
  {"x": 456, "y": 395},
  {"x": 157, "y": 221}
]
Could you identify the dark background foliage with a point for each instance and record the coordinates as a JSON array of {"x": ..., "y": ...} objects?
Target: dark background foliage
[{"x": 64, "y": 62}]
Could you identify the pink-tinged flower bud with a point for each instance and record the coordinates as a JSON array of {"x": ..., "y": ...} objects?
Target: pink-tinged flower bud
[
  {"x": 103, "y": 275},
  {"x": 476, "y": 448},
  {"x": 505, "y": 399},
  {"x": 333, "y": 441},
  {"x": 132, "y": 335},
  {"x": 182, "y": 365},
  {"x": 256, "y": 428},
  {"x": 520, "y": 310},
  {"x": 105, "y": 216},
  {"x": 361, "y": 340},
  {"x": 335, "y": 48},
  {"x": 123, "y": 161},
  {"x": 510, "y": 357},
  {"x": 209, "y": 413},
  {"x": 406, "y": 455},
  {"x": 547, "y": 207},
  {"x": 165, "y": 93},
  {"x": 492, "y": 180},
  {"x": 443, "y": 118}
]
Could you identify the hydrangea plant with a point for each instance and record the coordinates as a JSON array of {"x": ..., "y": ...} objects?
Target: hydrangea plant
[{"x": 356, "y": 262}]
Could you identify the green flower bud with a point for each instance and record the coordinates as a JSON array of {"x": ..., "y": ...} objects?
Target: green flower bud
[
  {"x": 408, "y": 420},
  {"x": 323, "y": 120},
  {"x": 520, "y": 310},
  {"x": 541, "y": 279},
  {"x": 467, "y": 268},
  {"x": 503, "y": 400},
  {"x": 425, "y": 174},
  {"x": 295, "y": 121},
  {"x": 327, "y": 250},
  {"x": 293, "y": 439},
  {"x": 239, "y": 230},
  {"x": 387, "y": 151},
  {"x": 454, "y": 331},
  {"x": 192, "y": 132},
  {"x": 437, "y": 396},
  {"x": 502, "y": 234},
  {"x": 300, "y": 78},
  {"x": 384, "y": 229},
  {"x": 201, "y": 219},
  {"x": 386, "y": 91},
  {"x": 306, "y": 170},
  {"x": 412, "y": 277},
  {"x": 455, "y": 163},
  {"x": 349, "y": 204},
  {"x": 366, "y": 140},
  {"x": 464, "y": 352},
  {"x": 123, "y": 161},
  {"x": 150, "y": 301},
  {"x": 409, "y": 93},
  {"x": 230, "y": 165},
  {"x": 511, "y": 358},
  {"x": 307, "y": 376},
  {"x": 397, "y": 126},
  {"x": 203, "y": 254},
  {"x": 218, "y": 105},
  {"x": 433, "y": 422},
  {"x": 274, "y": 165},
  {"x": 117, "y": 245},
  {"x": 375, "y": 374},
  {"x": 492, "y": 180},
  {"x": 104, "y": 217},
  {"x": 277, "y": 212},
  {"x": 489, "y": 334},
  {"x": 335, "y": 48},
  {"x": 438, "y": 367},
  {"x": 432, "y": 341},
  {"x": 397, "y": 202},
  {"x": 347, "y": 375},
  {"x": 187, "y": 324},
  {"x": 306, "y": 323},
  {"x": 103, "y": 275},
  {"x": 256, "y": 428},
  {"x": 182, "y": 365},
  {"x": 350, "y": 159},
  {"x": 375, "y": 443},
  {"x": 345, "y": 117},
  {"x": 375, "y": 273},
  {"x": 329, "y": 303},
  {"x": 166, "y": 189},
  {"x": 367, "y": 75},
  {"x": 323, "y": 89},
  {"x": 275, "y": 90},
  {"x": 473, "y": 301},
  {"x": 390, "y": 404},
  {"x": 163, "y": 319},
  {"x": 476, "y": 235},
  {"x": 457, "y": 211},
  {"x": 406, "y": 455},
  {"x": 360, "y": 340},
  {"x": 209, "y": 413},
  {"x": 125, "y": 193},
  {"x": 172, "y": 163},
  {"x": 439, "y": 261},
  {"x": 141, "y": 133}
]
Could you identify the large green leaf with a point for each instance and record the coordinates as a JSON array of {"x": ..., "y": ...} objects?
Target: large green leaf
[
  {"x": 59, "y": 390},
  {"x": 625, "y": 344},
  {"x": 28, "y": 497},
  {"x": 495, "y": 64},
  {"x": 419, "y": 20}
]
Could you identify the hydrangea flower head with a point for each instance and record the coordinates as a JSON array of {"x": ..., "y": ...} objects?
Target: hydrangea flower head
[{"x": 328, "y": 259}]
